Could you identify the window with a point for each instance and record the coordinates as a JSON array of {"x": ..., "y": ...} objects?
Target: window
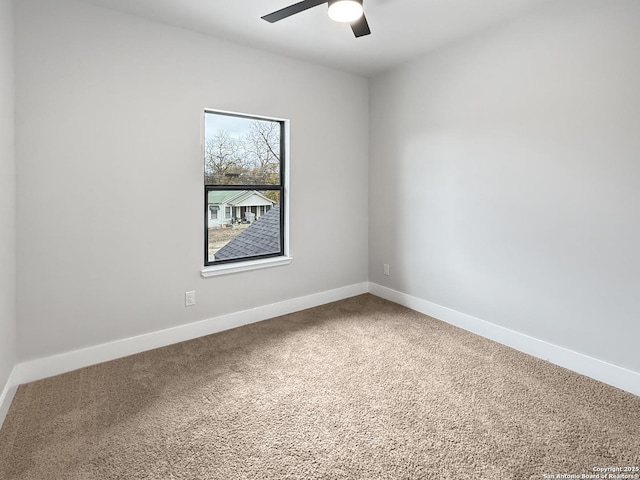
[{"x": 244, "y": 187}]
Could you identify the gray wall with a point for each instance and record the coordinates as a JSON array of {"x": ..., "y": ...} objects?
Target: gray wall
[
  {"x": 7, "y": 198},
  {"x": 110, "y": 215},
  {"x": 505, "y": 177}
]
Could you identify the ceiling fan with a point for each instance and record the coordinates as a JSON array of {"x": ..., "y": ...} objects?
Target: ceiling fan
[{"x": 346, "y": 11}]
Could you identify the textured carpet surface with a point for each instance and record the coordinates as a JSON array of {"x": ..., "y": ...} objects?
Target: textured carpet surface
[{"x": 358, "y": 389}]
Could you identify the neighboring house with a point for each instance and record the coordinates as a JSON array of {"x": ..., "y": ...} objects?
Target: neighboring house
[
  {"x": 225, "y": 207},
  {"x": 260, "y": 238}
]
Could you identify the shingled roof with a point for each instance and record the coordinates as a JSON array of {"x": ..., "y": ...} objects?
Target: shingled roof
[{"x": 262, "y": 237}]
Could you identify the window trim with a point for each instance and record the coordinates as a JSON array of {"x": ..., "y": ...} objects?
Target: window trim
[
  {"x": 244, "y": 266},
  {"x": 257, "y": 262}
]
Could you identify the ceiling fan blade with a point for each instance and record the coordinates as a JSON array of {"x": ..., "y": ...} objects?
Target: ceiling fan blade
[
  {"x": 360, "y": 27},
  {"x": 292, "y": 10}
]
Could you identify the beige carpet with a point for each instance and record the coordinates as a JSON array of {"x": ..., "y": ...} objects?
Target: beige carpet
[{"x": 359, "y": 389}]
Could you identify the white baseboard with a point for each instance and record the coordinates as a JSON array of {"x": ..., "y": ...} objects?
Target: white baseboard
[
  {"x": 41, "y": 368},
  {"x": 616, "y": 376},
  {"x": 7, "y": 394}
]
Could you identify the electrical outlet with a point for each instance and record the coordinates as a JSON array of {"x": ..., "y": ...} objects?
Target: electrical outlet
[
  {"x": 189, "y": 298},
  {"x": 386, "y": 269}
]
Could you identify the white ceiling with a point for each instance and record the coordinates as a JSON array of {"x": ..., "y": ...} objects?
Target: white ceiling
[{"x": 401, "y": 29}]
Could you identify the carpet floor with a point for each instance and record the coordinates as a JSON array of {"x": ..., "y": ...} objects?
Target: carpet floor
[{"x": 358, "y": 389}]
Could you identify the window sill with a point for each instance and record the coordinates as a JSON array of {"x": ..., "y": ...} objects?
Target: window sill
[{"x": 229, "y": 268}]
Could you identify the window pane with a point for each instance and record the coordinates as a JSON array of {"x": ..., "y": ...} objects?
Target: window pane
[
  {"x": 241, "y": 151},
  {"x": 253, "y": 228}
]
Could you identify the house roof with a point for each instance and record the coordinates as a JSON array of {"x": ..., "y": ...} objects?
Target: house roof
[
  {"x": 233, "y": 197},
  {"x": 262, "y": 237},
  {"x": 221, "y": 196}
]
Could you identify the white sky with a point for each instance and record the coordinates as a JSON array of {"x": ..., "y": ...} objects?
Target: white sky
[{"x": 234, "y": 126}]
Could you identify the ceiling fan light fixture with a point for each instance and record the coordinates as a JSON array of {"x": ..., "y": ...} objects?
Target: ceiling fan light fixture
[{"x": 345, "y": 11}]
